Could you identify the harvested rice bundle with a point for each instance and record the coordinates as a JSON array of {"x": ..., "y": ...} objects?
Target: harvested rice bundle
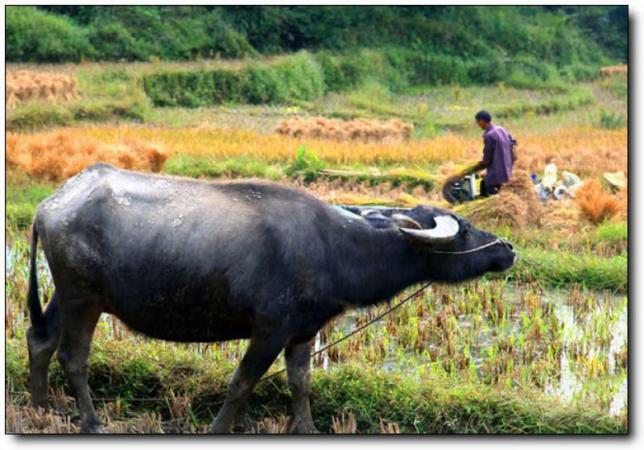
[
  {"x": 28, "y": 85},
  {"x": 609, "y": 71},
  {"x": 562, "y": 215},
  {"x": 503, "y": 209},
  {"x": 60, "y": 156},
  {"x": 522, "y": 186},
  {"x": 368, "y": 130}
]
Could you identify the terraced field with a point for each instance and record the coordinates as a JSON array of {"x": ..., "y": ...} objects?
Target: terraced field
[{"x": 539, "y": 349}]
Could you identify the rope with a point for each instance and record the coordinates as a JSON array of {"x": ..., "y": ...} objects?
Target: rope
[
  {"x": 317, "y": 352},
  {"x": 357, "y": 330},
  {"x": 472, "y": 250}
]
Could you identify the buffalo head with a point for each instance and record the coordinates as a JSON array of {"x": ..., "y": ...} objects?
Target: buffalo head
[{"x": 453, "y": 249}]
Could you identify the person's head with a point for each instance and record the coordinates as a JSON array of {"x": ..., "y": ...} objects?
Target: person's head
[{"x": 483, "y": 119}]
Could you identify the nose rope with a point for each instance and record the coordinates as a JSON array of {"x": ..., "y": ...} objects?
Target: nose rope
[{"x": 472, "y": 250}]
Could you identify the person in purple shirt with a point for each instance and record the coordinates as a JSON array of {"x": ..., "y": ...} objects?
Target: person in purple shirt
[{"x": 498, "y": 155}]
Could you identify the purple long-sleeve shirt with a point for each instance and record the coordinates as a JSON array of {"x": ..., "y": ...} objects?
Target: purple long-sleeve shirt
[{"x": 497, "y": 153}]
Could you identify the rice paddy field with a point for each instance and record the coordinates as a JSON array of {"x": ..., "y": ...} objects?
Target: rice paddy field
[{"x": 540, "y": 349}]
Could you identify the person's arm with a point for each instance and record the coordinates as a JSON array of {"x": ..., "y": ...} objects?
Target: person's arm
[
  {"x": 488, "y": 152},
  {"x": 512, "y": 150}
]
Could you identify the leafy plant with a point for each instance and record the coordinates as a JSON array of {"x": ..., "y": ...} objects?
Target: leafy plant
[{"x": 306, "y": 164}]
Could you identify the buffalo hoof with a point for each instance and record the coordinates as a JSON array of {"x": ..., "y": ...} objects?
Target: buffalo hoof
[
  {"x": 93, "y": 428},
  {"x": 217, "y": 428},
  {"x": 303, "y": 427}
]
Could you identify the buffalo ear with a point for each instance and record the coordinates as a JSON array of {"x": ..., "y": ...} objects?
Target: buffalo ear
[{"x": 403, "y": 221}]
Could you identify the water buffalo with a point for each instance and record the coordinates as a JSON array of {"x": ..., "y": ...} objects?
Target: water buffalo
[{"x": 193, "y": 261}]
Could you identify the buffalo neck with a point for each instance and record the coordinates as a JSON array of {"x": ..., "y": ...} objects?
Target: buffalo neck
[{"x": 377, "y": 264}]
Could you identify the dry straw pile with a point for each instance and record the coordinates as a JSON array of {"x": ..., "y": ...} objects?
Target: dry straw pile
[
  {"x": 598, "y": 205},
  {"x": 26, "y": 85},
  {"x": 366, "y": 130},
  {"x": 58, "y": 156},
  {"x": 516, "y": 205},
  {"x": 609, "y": 71}
]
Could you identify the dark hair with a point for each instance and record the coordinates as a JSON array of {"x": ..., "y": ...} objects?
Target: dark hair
[{"x": 484, "y": 116}]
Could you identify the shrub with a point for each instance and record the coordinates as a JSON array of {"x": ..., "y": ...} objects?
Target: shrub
[
  {"x": 579, "y": 72},
  {"x": 291, "y": 79},
  {"x": 262, "y": 85},
  {"x": 32, "y": 116},
  {"x": 37, "y": 36},
  {"x": 301, "y": 76},
  {"x": 193, "y": 88},
  {"x": 337, "y": 72},
  {"x": 487, "y": 70},
  {"x": 114, "y": 42},
  {"x": 612, "y": 120},
  {"x": 306, "y": 164}
]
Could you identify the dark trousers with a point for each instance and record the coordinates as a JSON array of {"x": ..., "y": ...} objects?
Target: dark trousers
[{"x": 487, "y": 190}]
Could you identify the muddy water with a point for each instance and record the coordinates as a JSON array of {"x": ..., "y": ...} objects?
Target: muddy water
[{"x": 580, "y": 341}]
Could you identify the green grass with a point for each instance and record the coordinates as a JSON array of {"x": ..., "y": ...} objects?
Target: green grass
[
  {"x": 611, "y": 232},
  {"x": 22, "y": 200},
  {"x": 205, "y": 167},
  {"x": 151, "y": 369},
  {"x": 606, "y": 240},
  {"x": 561, "y": 268}
]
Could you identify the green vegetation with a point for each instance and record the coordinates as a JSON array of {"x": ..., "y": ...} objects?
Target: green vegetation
[
  {"x": 611, "y": 120},
  {"x": 58, "y": 38},
  {"x": 560, "y": 269},
  {"x": 306, "y": 164},
  {"x": 199, "y": 167},
  {"x": 289, "y": 79},
  {"x": 22, "y": 200},
  {"x": 429, "y": 405},
  {"x": 558, "y": 36},
  {"x": 488, "y": 356},
  {"x": 304, "y": 76}
]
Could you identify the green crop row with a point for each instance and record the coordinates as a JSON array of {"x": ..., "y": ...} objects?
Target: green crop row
[{"x": 303, "y": 76}]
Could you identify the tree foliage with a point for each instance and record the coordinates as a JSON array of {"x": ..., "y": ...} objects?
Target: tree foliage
[{"x": 560, "y": 35}]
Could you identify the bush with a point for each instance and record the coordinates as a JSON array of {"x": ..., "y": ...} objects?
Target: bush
[
  {"x": 295, "y": 78},
  {"x": 487, "y": 71},
  {"x": 612, "y": 120},
  {"x": 262, "y": 85},
  {"x": 306, "y": 164},
  {"x": 301, "y": 76},
  {"x": 36, "y": 36},
  {"x": 337, "y": 75},
  {"x": 114, "y": 42},
  {"x": 33, "y": 116}
]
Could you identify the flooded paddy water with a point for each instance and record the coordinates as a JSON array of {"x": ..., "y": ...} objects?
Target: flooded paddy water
[{"x": 570, "y": 344}]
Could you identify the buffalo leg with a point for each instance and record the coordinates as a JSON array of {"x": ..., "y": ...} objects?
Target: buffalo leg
[
  {"x": 42, "y": 345},
  {"x": 298, "y": 365},
  {"x": 76, "y": 338},
  {"x": 258, "y": 358}
]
